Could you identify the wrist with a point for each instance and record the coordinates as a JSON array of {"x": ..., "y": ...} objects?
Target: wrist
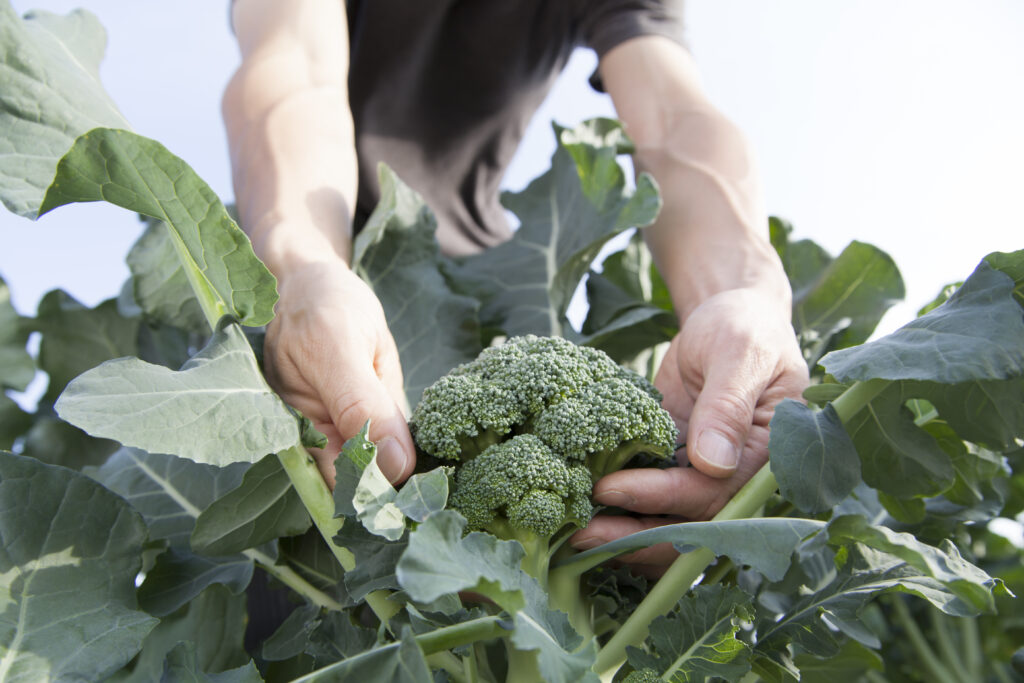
[{"x": 286, "y": 249}]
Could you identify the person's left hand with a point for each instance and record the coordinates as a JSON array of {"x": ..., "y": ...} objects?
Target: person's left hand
[{"x": 734, "y": 359}]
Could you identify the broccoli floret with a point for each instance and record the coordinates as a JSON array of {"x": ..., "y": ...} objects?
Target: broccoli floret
[
  {"x": 643, "y": 676},
  {"x": 519, "y": 489}
]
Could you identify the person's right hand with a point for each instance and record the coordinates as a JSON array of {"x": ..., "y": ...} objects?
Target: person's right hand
[{"x": 330, "y": 355}]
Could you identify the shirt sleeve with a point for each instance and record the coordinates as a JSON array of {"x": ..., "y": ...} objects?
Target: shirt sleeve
[
  {"x": 602, "y": 25},
  {"x": 605, "y": 24}
]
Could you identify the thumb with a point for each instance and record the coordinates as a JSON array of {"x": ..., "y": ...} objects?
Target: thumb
[
  {"x": 358, "y": 395},
  {"x": 721, "y": 419}
]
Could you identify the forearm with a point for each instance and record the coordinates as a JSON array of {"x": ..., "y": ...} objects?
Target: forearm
[
  {"x": 290, "y": 132},
  {"x": 711, "y": 235}
]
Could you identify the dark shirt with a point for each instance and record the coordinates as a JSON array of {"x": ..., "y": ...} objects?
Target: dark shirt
[{"x": 442, "y": 91}]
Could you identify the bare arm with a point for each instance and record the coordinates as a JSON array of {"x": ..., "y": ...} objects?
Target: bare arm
[
  {"x": 328, "y": 351},
  {"x": 735, "y": 356}
]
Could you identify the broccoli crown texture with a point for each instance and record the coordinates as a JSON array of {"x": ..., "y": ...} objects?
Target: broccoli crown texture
[
  {"x": 532, "y": 423},
  {"x": 523, "y": 481},
  {"x": 643, "y": 676}
]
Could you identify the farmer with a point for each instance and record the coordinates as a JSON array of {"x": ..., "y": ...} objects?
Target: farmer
[{"x": 442, "y": 90}]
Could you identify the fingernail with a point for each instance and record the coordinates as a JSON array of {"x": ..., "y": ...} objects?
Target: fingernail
[
  {"x": 391, "y": 458},
  {"x": 717, "y": 450},
  {"x": 587, "y": 543},
  {"x": 614, "y": 498}
]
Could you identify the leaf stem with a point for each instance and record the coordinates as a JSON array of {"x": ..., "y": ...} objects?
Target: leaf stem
[
  {"x": 857, "y": 396},
  {"x": 925, "y": 655},
  {"x": 972, "y": 647},
  {"x": 681, "y": 575},
  {"x": 451, "y": 665},
  {"x": 319, "y": 502},
  {"x": 947, "y": 647},
  {"x": 293, "y": 580},
  {"x": 464, "y": 633}
]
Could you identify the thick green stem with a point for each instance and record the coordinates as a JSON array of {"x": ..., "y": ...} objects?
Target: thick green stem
[
  {"x": 851, "y": 401},
  {"x": 947, "y": 645},
  {"x": 465, "y": 633},
  {"x": 926, "y": 657},
  {"x": 451, "y": 664},
  {"x": 564, "y": 595},
  {"x": 313, "y": 491},
  {"x": 971, "y": 640},
  {"x": 681, "y": 575},
  {"x": 522, "y": 665}
]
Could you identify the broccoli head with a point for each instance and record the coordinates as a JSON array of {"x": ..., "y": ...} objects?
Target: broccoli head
[{"x": 531, "y": 424}]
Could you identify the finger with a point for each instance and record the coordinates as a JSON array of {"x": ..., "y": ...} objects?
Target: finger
[
  {"x": 354, "y": 394},
  {"x": 724, "y": 411},
  {"x": 680, "y": 491}
]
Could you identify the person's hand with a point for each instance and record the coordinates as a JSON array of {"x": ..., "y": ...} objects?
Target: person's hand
[
  {"x": 330, "y": 355},
  {"x": 734, "y": 359}
]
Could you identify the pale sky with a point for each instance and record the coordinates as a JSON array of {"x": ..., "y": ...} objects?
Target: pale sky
[{"x": 896, "y": 122}]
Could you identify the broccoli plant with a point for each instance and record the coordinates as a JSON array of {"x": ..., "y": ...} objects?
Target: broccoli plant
[
  {"x": 531, "y": 425},
  {"x": 160, "y": 474}
]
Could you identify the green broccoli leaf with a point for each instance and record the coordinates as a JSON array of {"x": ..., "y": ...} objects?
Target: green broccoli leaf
[
  {"x": 764, "y": 544},
  {"x": 140, "y": 175},
  {"x": 70, "y": 555},
  {"x": 974, "y": 336},
  {"x": 812, "y": 457},
  {"x": 159, "y": 283},
  {"x": 968, "y": 582},
  {"x": 214, "y": 622},
  {"x": 217, "y": 409},
  {"x": 76, "y": 338},
  {"x": 397, "y": 253},
  {"x": 699, "y": 640},
  {"x": 16, "y": 365},
  {"x": 51, "y": 95},
  {"x": 170, "y": 493},
  {"x": 183, "y": 664},
  {"x": 566, "y": 216},
  {"x": 264, "y": 507}
]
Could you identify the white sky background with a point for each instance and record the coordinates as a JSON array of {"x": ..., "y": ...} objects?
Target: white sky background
[{"x": 896, "y": 122}]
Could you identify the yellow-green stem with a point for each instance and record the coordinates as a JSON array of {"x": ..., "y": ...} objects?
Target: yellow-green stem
[{"x": 680, "y": 576}]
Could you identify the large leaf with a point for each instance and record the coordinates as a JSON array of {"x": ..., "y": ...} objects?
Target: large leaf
[
  {"x": 764, "y": 544},
  {"x": 699, "y": 640},
  {"x": 16, "y": 365},
  {"x": 897, "y": 456},
  {"x": 815, "y": 615},
  {"x": 13, "y": 422},
  {"x": 50, "y": 93},
  {"x": 76, "y": 338},
  {"x": 976, "y": 335},
  {"x": 264, "y": 507},
  {"x": 159, "y": 284},
  {"x": 566, "y": 216},
  {"x": 849, "y": 296},
  {"x": 214, "y": 622},
  {"x": 170, "y": 493},
  {"x": 56, "y": 442},
  {"x": 184, "y": 665},
  {"x": 69, "y": 556},
  {"x": 399, "y": 662},
  {"x": 945, "y": 565},
  {"x": 217, "y": 409},
  {"x": 397, "y": 253},
  {"x": 140, "y": 175},
  {"x": 812, "y": 456}
]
